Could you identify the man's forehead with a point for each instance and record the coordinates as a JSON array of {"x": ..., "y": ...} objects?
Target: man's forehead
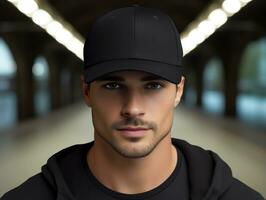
[{"x": 123, "y": 75}]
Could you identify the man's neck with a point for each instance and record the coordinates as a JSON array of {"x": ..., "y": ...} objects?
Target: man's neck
[{"x": 132, "y": 175}]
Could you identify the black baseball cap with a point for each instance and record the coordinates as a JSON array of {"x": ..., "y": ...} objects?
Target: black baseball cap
[{"x": 133, "y": 38}]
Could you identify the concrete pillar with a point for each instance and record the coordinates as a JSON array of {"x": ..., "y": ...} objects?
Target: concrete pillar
[
  {"x": 231, "y": 57},
  {"x": 231, "y": 66},
  {"x": 25, "y": 88},
  {"x": 54, "y": 81},
  {"x": 199, "y": 85},
  {"x": 76, "y": 69},
  {"x": 189, "y": 80},
  {"x": 24, "y": 56},
  {"x": 61, "y": 61},
  {"x": 197, "y": 62},
  {"x": 75, "y": 80}
]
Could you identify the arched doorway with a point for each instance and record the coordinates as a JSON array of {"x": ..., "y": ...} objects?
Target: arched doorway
[
  {"x": 42, "y": 100},
  {"x": 8, "y": 97},
  {"x": 212, "y": 96},
  {"x": 251, "y": 101}
]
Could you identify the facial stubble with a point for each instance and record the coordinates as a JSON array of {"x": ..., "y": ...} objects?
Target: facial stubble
[{"x": 134, "y": 154}]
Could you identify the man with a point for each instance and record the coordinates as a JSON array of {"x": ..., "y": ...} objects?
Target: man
[{"x": 133, "y": 80}]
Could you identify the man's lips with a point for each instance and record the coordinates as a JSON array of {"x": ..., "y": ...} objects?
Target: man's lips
[
  {"x": 132, "y": 132},
  {"x": 132, "y": 129}
]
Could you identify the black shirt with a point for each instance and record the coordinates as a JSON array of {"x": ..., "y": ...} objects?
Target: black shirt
[{"x": 86, "y": 186}]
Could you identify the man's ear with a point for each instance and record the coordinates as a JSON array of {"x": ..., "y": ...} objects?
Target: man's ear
[
  {"x": 85, "y": 91},
  {"x": 179, "y": 90}
]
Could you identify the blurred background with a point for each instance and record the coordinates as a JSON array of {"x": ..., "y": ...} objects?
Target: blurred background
[{"x": 41, "y": 106}]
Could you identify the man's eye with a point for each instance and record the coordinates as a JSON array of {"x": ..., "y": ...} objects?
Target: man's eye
[
  {"x": 111, "y": 86},
  {"x": 154, "y": 85}
]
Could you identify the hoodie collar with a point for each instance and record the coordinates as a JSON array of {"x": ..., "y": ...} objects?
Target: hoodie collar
[{"x": 209, "y": 175}]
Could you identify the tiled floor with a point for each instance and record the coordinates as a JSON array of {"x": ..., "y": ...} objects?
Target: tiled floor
[{"x": 25, "y": 149}]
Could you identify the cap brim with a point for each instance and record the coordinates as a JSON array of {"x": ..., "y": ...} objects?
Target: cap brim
[{"x": 171, "y": 73}]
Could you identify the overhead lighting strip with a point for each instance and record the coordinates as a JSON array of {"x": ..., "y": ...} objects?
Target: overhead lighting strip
[
  {"x": 197, "y": 32},
  {"x": 208, "y": 22},
  {"x": 52, "y": 23}
]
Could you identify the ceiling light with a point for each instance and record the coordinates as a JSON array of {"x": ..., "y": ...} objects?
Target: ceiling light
[
  {"x": 231, "y": 6},
  {"x": 53, "y": 27},
  {"x": 41, "y": 17},
  {"x": 217, "y": 17},
  {"x": 76, "y": 46},
  {"x": 187, "y": 44},
  {"x": 58, "y": 29},
  {"x": 196, "y": 36},
  {"x": 27, "y": 6},
  {"x": 63, "y": 36},
  {"x": 206, "y": 28}
]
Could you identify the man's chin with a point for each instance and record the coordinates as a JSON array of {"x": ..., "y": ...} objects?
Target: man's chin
[
  {"x": 133, "y": 154},
  {"x": 134, "y": 149}
]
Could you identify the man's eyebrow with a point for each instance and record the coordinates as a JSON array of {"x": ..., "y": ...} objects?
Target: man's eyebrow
[{"x": 119, "y": 78}]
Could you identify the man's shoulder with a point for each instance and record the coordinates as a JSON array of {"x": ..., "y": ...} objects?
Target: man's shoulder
[
  {"x": 42, "y": 186},
  {"x": 213, "y": 168},
  {"x": 34, "y": 188},
  {"x": 239, "y": 190}
]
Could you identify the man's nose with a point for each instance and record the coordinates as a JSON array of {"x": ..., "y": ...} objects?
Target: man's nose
[{"x": 132, "y": 104}]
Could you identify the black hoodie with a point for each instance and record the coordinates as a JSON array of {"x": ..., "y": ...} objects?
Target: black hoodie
[{"x": 210, "y": 178}]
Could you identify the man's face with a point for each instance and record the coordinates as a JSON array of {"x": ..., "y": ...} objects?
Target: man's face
[{"x": 129, "y": 100}]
